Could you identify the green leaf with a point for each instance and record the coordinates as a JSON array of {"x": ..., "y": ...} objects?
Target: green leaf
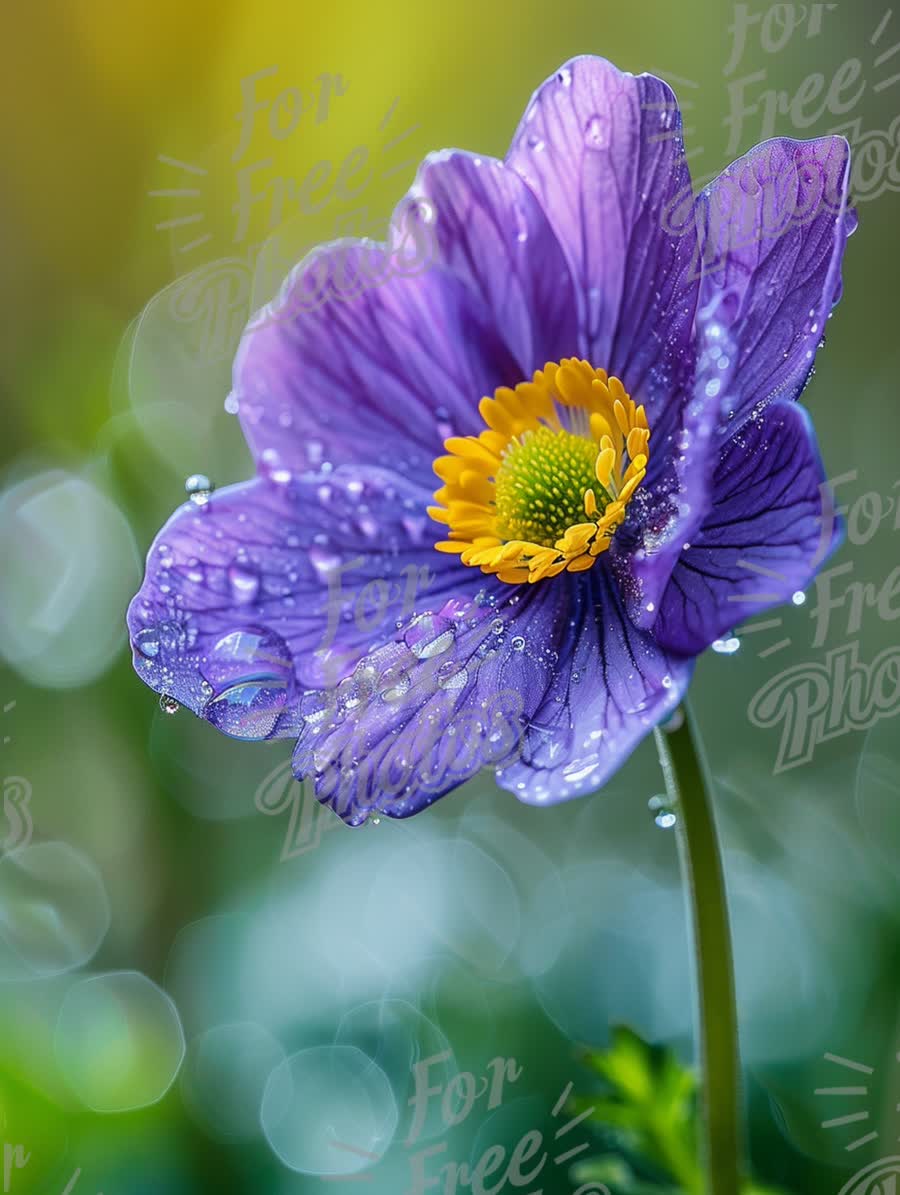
[
  {"x": 651, "y": 1104},
  {"x": 648, "y": 1107}
]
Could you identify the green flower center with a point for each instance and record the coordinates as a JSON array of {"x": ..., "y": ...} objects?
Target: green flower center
[{"x": 541, "y": 483}]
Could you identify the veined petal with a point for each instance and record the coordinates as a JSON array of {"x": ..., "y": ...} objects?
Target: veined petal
[
  {"x": 771, "y": 235},
  {"x": 611, "y": 685},
  {"x": 491, "y": 232},
  {"x": 773, "y": 228},
  {"x": 552, "y": 688},
  {"x": 366, "y": 356},
  {"x": 771, "y": 526},
  {"x": 270, "y": 589},
  {"x": 603, "y": 151}
]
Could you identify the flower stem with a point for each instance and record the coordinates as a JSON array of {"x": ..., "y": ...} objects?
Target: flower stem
[{"x": 717, "y": 1014}]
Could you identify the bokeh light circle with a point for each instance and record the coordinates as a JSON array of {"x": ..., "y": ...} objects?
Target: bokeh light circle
[
  {"x": 119, "y": 1041},
  {"x": 398, "y": 1038},
  {"x": 225, "y": 1075},
  {"x": 70, "y": 567},
  {"x": 54, "y": 911},
  {"x": 329, "y": 1110}
]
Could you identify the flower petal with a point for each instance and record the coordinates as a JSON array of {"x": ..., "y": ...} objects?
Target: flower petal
[
  {"x": 551, "y": 685},
  {"x": 612, "y": 685},
  {"x": 771, "y": 231},
  {"x": 668, "y": 509},
  {"x": 773, "y": 228},
  {"x": 603, "y": 151},
  {"x": 771, "y": 526},
  {"x": 491, "y": 232},
  {"x": 272, "y": 589},
  {"x": 368, "y": 355}
]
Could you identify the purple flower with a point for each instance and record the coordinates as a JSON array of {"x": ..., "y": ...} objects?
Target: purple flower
[{"x": 602, "y": 371}]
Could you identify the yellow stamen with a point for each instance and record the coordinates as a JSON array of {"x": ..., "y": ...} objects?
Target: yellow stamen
[{"x": 543, "y": 488}]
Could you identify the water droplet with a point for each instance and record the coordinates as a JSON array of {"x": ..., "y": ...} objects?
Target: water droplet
[
  {"x": 452, "y": 675},
  {"x": 251, "y": 648},
  {"x": 324, "y": 562},
  {"x": 249, "y": 710},
  {"x": 349, "y": 695},
  {"x": 396, "y": 684},
  {"x": 593, "y": 132},
  {"x": 232, "y": 406},
  {"x": 517, "y": 643},
  {"x": 315, "y": 704},
  {"x": 430, "y": 635},
  {"x": 675, "y": 722},
  {"x": 168, "y": 704},
  {"x": 147, "y": 643},
  {"x": 798, "y": 598},
  {"x": 444, "y": 424},
  {"x": 663, "y": 813},
  {"x": 726, "y": 646},
  {"x": 244, "y": 584},
  {"x": 198, "y": 487},
  {"x": 564, "y": 76}
]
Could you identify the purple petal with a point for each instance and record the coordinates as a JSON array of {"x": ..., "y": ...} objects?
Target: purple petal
[
  {"x": 271, "y": 589},
  {"x": 771, "y": 526},
  {"x": 773, "y": 228},
  {"x": 603, "y": 151},
  {"x": 550, "y": 684},
  {"x": 667, "y": 510},
  {"x": 613, "y": 683},
  {"x": 359, "y": 360},
  {"x": 491, "y": 232}
]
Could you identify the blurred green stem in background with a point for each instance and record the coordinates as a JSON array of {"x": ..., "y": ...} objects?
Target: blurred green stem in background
[{"x": 717, "y": 1032}]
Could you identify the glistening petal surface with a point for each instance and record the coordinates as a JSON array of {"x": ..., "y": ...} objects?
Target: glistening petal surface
[
  {"x": 380, "y": 376},
  {"x": 770, "y": 528},
  {"x": 286, "y": 585},
  {"x": 603, "y": 151},
  {"x": 554, "y": 690},
  {"x": 773, "y": 228}
]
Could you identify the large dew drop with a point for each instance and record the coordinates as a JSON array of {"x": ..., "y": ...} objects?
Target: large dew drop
[
  {"x": 251, "y": 675},
  {"x": 430, "y": 635},
  {"x": 147, "y": 643}
]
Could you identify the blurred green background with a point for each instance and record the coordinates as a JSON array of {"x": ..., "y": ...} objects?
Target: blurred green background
[{"x": 165, "y": 945}]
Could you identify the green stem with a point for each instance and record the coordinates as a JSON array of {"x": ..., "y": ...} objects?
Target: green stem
[{"x": 717, "y": 1014}]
